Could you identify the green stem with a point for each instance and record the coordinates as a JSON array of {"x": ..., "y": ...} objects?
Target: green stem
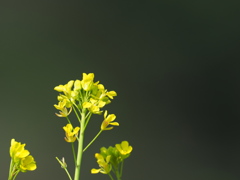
[
  {"x": 74, "y": 153},
  {"x": 79, "y": 109},
  {"x": 64, "y": 166},
  {"x": 10, "y": 170},
  {"x": 77, "y": 114},
  {"x": 121, "y": 169},
  {"x": 88, "y": 116},
  {"x": 13, "y": 172},
  {"x": 118, "y": 175},
  {"x": 110, "y": 176},
  {"x": 15, "y": 175},
  {"x": 80, "y": 146},
  {"x": 92, "y": 140},
  {"x": 69, "y": 176},
  {"x": 68, "y": 120}
]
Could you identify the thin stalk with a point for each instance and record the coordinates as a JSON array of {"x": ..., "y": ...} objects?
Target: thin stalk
[
  {"x": 64, "y": 166},
  {"x": 92, "y": 140},
  {"x": 118, "y": 175},
  {"x": 68, "y": 120},
  {"x": 10, "y": 170},
  {"x": 77, "y": 107},
  {"x": 121, "y": 168},
  {"x": 74, "y": 154},
  {"x": 77, "y": 114},
  {"x": 116, "y": 172},
  {"x": 15, "y": 175},
  {"x": 87, "y": 119},
  {"x": 110, "y": 176},
  {"x": 69, "y": 176},
  {"x": 80, "y": 147}
]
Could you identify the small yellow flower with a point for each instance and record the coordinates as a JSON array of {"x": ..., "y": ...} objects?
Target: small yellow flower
[
  {"x": 108, "y": 120},
  {"x": 64, "y": 112},
  {"x": 71, "y": 134},
  {"x": 66, "y": 89},
  {"x": 105, "y": 166},
  {"x": 77, "y": 85},
  {"x": 28, "y": 164},
  {"x": 62, "y": 105},
  {"x": 21, "y": 160},
  {"x": 17, "y": 151},
  {"x": 87, "y": 81},
  {"x": 66, "y": 100},
  {"x": 94, "y": 106},
  {"x": 110, "y": 94},
  {"x": 124, "y": 148}
]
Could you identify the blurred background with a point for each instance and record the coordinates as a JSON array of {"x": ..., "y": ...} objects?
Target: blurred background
[{"x": 175, "y": 67}]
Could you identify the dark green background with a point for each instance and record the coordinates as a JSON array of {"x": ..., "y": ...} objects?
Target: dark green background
[{"x": 174, "y": 65}]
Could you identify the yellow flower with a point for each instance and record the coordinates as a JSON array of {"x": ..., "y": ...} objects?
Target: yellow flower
[
  {"x": 17, "y": 151},
  {"x": 77, "y": 85},
  {"x": 110, "y": 94},
  {"x": 87, "y": 81},
  {"x": 94, "y": 106},
  {"x": 66, "y": 89},
  {"x": 99, "y": 92},
  {"x": 62, "y": 104},
  {"x": 64, "y": 112},
  {"x": 124, "y": 148},
  {"x": 105, "y": 166},
  {"x": 71, "y": 133},
  {"x": 21, "y": 160},
  {"x": 28, "y": 164},
  {"x": 108, "y": 120}
]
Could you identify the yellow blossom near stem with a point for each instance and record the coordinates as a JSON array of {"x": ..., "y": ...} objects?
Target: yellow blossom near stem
[
  {"x": 105, "y": 166},
  {"x": 28, "y": 164},
  {"x": 62, "y": 107},
  {"x": 77, "y": 85},
  {"x": 17, "y": 151},
  {"x": 71, "y": 134},
  {"x": 64, "y": 112},
  {"x": 87, "y": 81},
  {"x": 66, "y": 101},
  {"x": 66, "y": 89},
  {"x": 124, "y": 148},
  {"x": 102, "y": 94},
  {"x": 110, "y": 94},
  {"x": 94, "y": 106},
  {"x": 21, "y": 160},
  {"x": 108, "y": 121}
]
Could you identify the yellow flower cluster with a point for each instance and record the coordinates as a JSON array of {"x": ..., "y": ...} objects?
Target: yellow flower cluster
[
  {"x": 104, "y": 164},
  {"x": 83, "y": 94},
  {"x": 112, "y": 157},
  {"x": 21, "y": 160}
]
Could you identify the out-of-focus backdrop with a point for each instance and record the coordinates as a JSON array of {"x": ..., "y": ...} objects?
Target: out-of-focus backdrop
[{"x": 174, "y": 65}]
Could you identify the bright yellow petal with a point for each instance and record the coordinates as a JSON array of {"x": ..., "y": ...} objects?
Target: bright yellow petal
[
  {"x": 59, "y": 88},
  {"x": 111, "y": 117},
  {"x": 95, "y": 171},
  {"x": 109, "y": 128},
  {"x": 105, "y": 114},
  {"x": 86, "y": 105},
  {"x": 110, "y": 94},
  {"x": 114, "y": 123},
  {"x": 125, "y": 145},
  {"x": 77, "y": 85}
]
